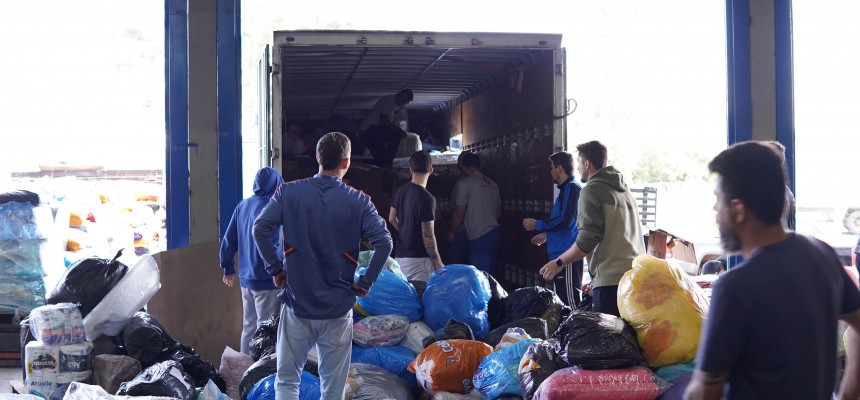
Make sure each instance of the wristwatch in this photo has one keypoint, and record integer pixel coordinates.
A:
(558, 262)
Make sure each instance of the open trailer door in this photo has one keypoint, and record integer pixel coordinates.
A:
(269, 149)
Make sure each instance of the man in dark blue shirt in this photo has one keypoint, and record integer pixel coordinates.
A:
(560, 230)
(323, 222)
(760, 337)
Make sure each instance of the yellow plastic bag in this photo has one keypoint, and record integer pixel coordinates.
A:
(665, 307)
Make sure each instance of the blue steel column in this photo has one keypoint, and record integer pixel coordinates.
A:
(739, 77)
(176, 121)
(229, 56)
(785, 83)
(738, 57)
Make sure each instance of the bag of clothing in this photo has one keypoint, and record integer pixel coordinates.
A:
(389, 295)
(449, 365)
(497, 374)
(394, 359)
(110, 371)
(665, 307)
(452, 330)
(537, 302)
(592, 340)
(380, 330)
(87, 281)
(265, 337)
(163, 379)
(637, 383)
(369, 382)
(145, 339)
(258, 371)
(537, 364)
(415, 336)
(496, 305)
(233, 366)
(460, 292)
(533, 326)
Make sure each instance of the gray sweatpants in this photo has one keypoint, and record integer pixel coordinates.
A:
(296, 336)
(257, 306)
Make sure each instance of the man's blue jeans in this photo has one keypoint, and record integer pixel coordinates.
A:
(296, 336)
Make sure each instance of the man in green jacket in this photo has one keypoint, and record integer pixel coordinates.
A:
(610, 235)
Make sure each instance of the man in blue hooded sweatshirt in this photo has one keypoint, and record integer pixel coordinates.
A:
(259, 294)
(323, 221)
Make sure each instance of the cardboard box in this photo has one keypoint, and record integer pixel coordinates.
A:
(662, 244)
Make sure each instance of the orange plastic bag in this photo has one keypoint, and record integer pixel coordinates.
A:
(449, 365)
(665, 307)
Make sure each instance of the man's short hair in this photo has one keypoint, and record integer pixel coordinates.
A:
(470, 160)
(753, 173)
(778, 148)
(594, 152)
(420, 162)
(332, 148)
(406, 94)
(564, 160)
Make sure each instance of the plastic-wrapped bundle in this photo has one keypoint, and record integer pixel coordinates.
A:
(265, 337)
(87, 281)
(380, 330)
(497, 374)
(460, 292)
(637, 383)
(163, 379)
(592, 340)
(537, 302)
(369, 382)
(539, 362)
(665, 307)
(390, 294)
(449, 365)
(130, 294)
(22, 287)
(57, 323)
(394, 359)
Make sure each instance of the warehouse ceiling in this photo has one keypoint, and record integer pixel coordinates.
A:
(325, 80)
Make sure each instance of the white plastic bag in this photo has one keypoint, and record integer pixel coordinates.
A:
(129, 295)
(233, 367)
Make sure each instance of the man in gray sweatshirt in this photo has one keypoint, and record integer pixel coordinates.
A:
(610, 235)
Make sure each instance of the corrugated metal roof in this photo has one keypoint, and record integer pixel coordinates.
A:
(323, 80)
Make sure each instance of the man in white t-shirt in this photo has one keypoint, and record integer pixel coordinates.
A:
(379, 132)
(478, 208)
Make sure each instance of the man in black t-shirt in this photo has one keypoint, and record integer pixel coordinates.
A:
(760, 340)
(413, 210)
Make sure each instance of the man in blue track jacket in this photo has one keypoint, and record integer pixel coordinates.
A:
(323, 222)
(259, 294)
(560, 230)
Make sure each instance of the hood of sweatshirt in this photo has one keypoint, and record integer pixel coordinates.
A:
(267, 181)
(610, 176)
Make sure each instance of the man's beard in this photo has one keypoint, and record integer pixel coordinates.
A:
(730, 242)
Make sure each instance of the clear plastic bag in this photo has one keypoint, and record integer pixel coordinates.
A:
(57, 324)
(369, 382)
(380, 330)
(129, 295)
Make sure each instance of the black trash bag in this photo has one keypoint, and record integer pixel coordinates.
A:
(452, 330)
(256, 372)
(591, 340)
(535, 302)
(586, 303)
(87, 281)
(538, 363)
(165, 379)
(535, 327)
(145, 340)
(199, 369)
(265, 338)
(19, 196)
(496, 305)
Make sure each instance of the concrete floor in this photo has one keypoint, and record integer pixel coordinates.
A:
(7, 375)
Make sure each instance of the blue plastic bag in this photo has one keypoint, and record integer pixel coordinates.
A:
(309, 389)
(393, 359)
(460, 292)
(390, 294)
(497, 374)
